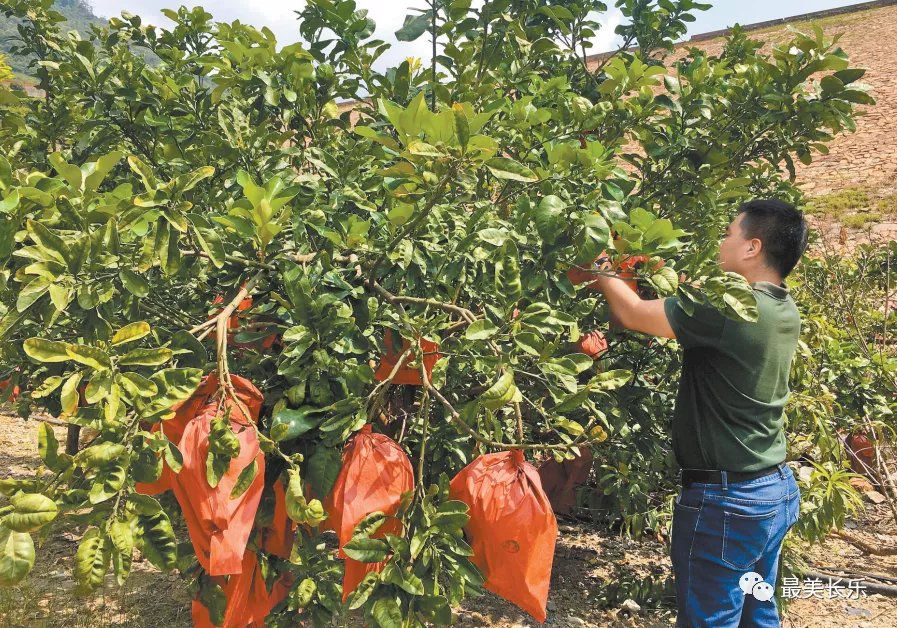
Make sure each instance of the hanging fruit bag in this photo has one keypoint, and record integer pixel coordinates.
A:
(512, 529)
(374, 475)
(219, 525)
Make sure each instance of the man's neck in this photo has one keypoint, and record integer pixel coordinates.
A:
(763, 274)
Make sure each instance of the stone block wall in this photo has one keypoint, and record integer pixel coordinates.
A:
(867, 157)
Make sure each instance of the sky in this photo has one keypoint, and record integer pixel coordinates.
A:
(278, 15)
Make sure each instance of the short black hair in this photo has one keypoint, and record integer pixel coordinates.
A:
(780, 227)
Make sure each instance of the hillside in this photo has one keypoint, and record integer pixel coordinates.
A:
(79, 16)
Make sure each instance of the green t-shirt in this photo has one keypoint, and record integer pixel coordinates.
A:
(734, 383)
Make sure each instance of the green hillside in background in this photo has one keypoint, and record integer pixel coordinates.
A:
(79, 16)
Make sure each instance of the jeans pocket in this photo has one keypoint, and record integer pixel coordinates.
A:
(688, 499)
(745, 537)
(793, 508)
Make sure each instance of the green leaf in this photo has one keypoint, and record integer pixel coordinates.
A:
(611, 380)
(295, 422)
(32, 512)
(136, 385)
(122, 536)
(92, 560)
(323, 468)
(131, 332)
(175, 385)
(414, 26)
(387, 613)
(440, 369)
(157, 540)
(48, 241)
(46, 350)
(665, 281)
(109, 480)
(369, 524)
(187, 182)
(89, 356)
(245, 479)
(504, 168)
(71, 173)
(363, 591)
(548, 217)
(500, 393)
(69, 394)
(146, 357)
(188, 350)
(144, 172)
(103, 166)
(48, 386)
(856, 96)
(99, 455)
(61, 295)
(462, 128)
(367, 550)
(134, 283)
(16, 556)
(211, 244)
(33, 291)
(481, 329)
(48, 448)
(507, 275)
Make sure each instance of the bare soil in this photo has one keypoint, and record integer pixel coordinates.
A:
(586, 562)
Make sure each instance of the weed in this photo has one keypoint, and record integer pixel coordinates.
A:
(858, 221)
(836, 204)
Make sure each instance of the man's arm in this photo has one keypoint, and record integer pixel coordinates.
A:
(632, 312)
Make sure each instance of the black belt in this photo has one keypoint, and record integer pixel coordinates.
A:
(713, 476)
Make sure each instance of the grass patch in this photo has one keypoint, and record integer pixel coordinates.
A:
(857, 221)
(888, 205)
(836, 204)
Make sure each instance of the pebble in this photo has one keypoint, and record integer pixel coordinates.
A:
(875, 497)
(631, 606)
(575, 621)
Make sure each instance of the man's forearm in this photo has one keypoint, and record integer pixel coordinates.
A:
(631, 311)
(620, 298)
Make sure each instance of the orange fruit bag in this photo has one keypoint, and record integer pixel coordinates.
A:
(173, 429)
(13, 394)
(561, 479)
(248, 602)
(406, 375)
(593, 344)
(512, 529)
(219, 526)
(374, 475)
(278, 538)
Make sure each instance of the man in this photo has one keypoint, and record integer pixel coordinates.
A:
(738, 497)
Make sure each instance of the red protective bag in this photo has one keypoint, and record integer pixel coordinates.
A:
(278, 538)
(512, 529)
(406, 375)
(173, 429)
(593, 344)
(561, 479)
(248, 602)
(219, 526)
(233, 322)
(374, 475)
(14, 394)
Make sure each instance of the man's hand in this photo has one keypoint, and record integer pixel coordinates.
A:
(631, 311)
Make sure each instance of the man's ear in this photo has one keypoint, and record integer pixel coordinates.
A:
(754, 248)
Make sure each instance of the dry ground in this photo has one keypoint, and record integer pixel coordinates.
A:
(586, 560)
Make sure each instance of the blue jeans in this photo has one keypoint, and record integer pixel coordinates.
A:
(726, 541)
